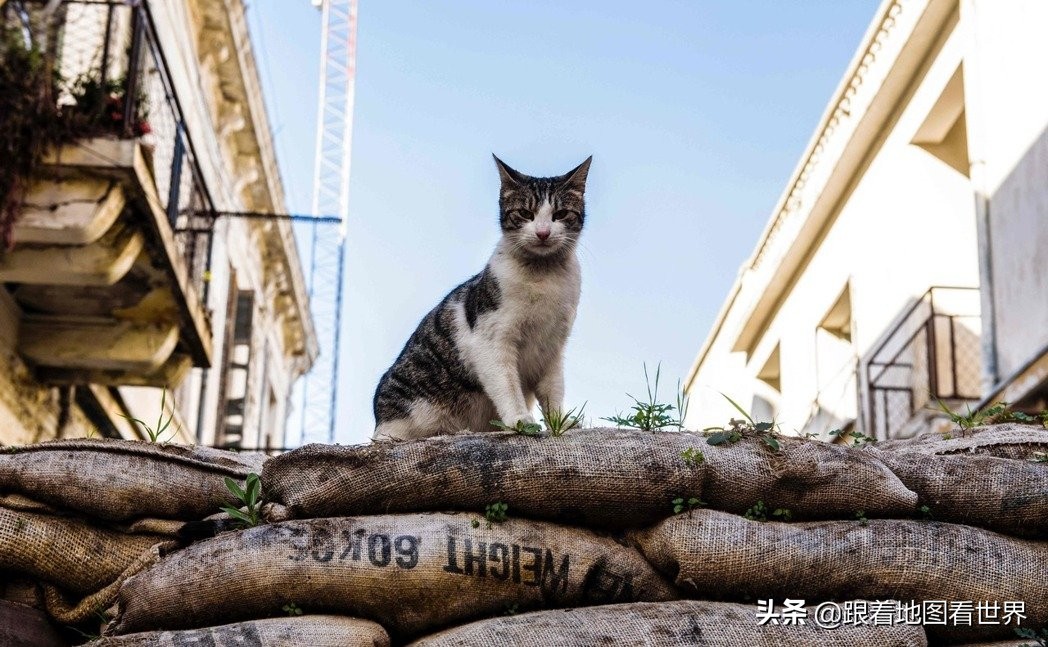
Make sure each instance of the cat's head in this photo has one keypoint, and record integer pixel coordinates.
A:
(542, 217)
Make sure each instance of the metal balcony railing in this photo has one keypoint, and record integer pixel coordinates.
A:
(114, 79)
(933, 354)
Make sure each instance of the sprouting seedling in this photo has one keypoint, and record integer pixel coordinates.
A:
(926, 512)
(683, 400)
(292, 609)
(680, 504)
(496, 512)
(250, 497)
(860, 516)
(757, 512)
(650, 414)
(783, 514)
(558, 422)
(859, 439)
(161, 425)
(522, 428)
(736, 428)
(693, 456)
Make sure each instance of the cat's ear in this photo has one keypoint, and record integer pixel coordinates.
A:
(576, 177)
(508, 176)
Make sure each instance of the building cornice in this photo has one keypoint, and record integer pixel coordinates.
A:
(243, 128)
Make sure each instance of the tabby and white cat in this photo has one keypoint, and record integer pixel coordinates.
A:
(495, 344)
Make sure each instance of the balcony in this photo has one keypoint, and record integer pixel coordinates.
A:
(109, 265)
(931, 355)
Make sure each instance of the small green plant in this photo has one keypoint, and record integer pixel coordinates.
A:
(730, 435)
(994, 414)
(1040, 457)
(926, 512)
(693, 456)
(859, 439)
(558, 422)
(292, 609)
(1040, 636)
(250, 497)
(682, 406)
(162, 426)
(736, 429)
(522, 428)
(496, 512)
(757, 512)
(511, 610)
(860, 516)
(475, 523)
(783, 514)
(651, 415)
(680, 504)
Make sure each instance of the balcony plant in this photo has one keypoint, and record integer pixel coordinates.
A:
(33, 121)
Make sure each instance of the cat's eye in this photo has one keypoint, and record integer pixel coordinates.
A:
(523, 214)
(563, 213)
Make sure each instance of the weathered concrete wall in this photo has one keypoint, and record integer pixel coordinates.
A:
(1011, 61)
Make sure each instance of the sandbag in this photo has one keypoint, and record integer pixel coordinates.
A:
(120, 480)
(1007, 440)
(71, 553)
(411, 573)
(686, 622)
(610, 478)
(716, 555)
(300, 631)
(1005, 495)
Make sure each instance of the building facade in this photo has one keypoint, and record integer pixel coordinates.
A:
(133, 288)
(906, 263)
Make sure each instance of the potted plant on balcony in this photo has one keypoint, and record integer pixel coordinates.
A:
(33, 121)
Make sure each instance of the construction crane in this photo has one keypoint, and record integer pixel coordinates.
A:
(319, 388)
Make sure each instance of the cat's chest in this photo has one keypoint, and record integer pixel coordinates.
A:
(540, 305)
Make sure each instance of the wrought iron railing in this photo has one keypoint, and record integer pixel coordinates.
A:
(933, 354)
(113, 76)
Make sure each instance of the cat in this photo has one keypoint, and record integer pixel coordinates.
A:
(495, 344)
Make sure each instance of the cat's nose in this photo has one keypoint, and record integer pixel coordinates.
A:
(542, 233)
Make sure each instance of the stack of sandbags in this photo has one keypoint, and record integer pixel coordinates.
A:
(607, 530)
(78, 517)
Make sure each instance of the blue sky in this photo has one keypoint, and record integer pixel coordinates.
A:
(695, 114)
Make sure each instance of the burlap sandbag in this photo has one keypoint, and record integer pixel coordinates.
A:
(716, 555)
(595, 477)
(657, 624)
(411, 573)
(121, 480)
(1008, 440)
(301, 631)
(71, 553)
(1005, 495)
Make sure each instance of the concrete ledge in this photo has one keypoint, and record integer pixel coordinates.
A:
(96, 344)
